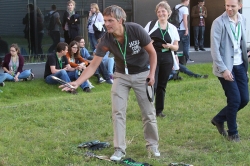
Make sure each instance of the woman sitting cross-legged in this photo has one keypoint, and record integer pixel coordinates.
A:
(13, 66)
(78, 63)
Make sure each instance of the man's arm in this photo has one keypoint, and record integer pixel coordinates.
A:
(185, 22)
(153, 61)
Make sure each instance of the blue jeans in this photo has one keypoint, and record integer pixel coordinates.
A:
(73, 75)
(22, 75)
(185, 70)
(109, 64)
(199, 36)
(2, 77)
(237, 98)
(62, 74)
(185, 43)
(92, 40)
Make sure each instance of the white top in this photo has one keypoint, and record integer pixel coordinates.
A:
(237, 50)
(173, 33)
(99, 18)
(183, 10)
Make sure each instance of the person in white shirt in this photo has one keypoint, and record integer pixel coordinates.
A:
(183, 30)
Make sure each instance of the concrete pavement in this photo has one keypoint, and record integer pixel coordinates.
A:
(197, 56)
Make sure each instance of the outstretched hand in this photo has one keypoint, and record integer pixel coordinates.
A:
(66, 88)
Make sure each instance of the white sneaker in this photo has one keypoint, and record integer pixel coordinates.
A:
(101, 80)
(153, 150)
(117, 156)
(90, 84)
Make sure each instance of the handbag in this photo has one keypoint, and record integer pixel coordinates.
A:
(98, 33)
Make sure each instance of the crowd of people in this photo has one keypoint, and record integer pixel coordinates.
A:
(140, 54)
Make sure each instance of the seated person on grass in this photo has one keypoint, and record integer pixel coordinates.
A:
(109, 63)
(2, 78)
(13, 66)
(78, 63)
(57, 65)
(101, 69)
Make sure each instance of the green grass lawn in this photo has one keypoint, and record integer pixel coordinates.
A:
(40, 125)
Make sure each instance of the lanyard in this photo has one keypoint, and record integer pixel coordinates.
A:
(125, 47)
(60, 61)
(163, 34)
(13, 65)
(234, 33)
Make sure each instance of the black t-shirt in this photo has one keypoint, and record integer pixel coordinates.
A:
(137, 58)
(53, 61)
(167, 38)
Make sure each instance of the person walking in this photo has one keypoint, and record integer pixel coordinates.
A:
(230, 65)
(199, 13)
(134, 52)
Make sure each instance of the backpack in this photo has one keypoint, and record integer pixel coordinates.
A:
(49, 21)
(174, 18)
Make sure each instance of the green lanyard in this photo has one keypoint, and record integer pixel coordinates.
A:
(13, 65)
(125, 47)
(163, 34)
(60, 61)
(235, 37)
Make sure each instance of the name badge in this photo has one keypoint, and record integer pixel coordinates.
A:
(126, 70)
(164, 50)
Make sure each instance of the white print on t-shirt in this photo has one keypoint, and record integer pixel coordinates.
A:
(134, 45)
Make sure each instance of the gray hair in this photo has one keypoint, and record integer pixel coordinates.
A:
(116, 12)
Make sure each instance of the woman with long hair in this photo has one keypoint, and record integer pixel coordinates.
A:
(70, 22)
(95, 16)
(166, 37)
(78, 63)
(13, 66)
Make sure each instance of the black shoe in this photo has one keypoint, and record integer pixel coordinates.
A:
(202, 49)
(196, 49)
(234, 138)
(87, 89)
(2, 84)
(160, 115)
(220, 127)
(204, 76)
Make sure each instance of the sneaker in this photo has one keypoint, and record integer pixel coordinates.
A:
(31, 77)
(196, 49)
(2, 84)
(190, 61)
(90, 84)
(117, 156)
(87, 89)
(101, 80)
(110, 81)
(234, 138)
(153, 151)
(204, 76)
(202, 49)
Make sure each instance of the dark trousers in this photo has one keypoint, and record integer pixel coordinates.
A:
(199, 36)
(163, 69)
(55, 36)
(185, 70)
(66, 37)
(237, 98)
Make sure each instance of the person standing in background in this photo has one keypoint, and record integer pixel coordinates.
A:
(230, 65)
(94, 16)
(70, 22)
(165, 52)
(183, 30)
(199, 13)
(54, 33)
